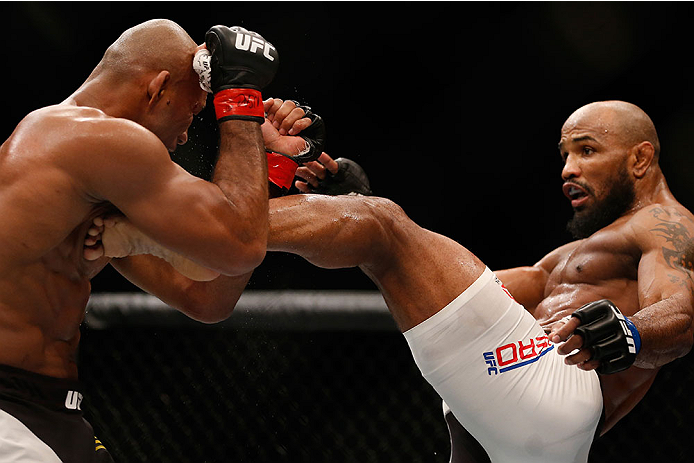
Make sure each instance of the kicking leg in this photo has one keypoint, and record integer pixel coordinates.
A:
(418, 272)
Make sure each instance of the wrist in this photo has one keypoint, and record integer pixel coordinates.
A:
(634, 334)
(239, 103)
(281, 169)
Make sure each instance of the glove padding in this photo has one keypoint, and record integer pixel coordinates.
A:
(242, 63)
(240, 58)
(350, 179)
(313, 135)
(282, 167)
(612, 338)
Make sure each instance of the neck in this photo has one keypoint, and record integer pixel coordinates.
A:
(114, 99)
(652, 189)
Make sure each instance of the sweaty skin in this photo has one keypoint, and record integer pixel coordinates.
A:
(106, 148)
(627, 262)
(642, 261)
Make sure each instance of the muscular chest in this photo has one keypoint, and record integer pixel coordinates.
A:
(604, 266)
(594, 261)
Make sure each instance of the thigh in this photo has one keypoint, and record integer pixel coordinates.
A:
(492, 363)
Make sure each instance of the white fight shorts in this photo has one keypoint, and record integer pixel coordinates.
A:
(492, 363)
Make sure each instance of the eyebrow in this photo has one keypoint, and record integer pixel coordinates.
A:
(578, 140)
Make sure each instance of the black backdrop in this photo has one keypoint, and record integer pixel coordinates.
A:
(454, 109)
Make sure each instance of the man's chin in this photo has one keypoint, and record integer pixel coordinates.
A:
(587, 221)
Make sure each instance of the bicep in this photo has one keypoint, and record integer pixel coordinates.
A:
(666, 300)
(137, 176)
(665, 267)
(659, 279)
(665, 284)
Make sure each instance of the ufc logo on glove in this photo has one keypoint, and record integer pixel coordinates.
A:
(247, 42)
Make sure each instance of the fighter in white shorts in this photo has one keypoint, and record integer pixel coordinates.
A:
(522, 376)
(495, 368)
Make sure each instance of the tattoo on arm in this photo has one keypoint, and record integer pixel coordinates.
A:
(679, 249)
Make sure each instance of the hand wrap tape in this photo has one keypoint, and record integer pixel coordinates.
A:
(201, 64)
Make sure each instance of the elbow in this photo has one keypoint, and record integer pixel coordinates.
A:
(243, 258)
(252, 258)
(686, 338)
(239, 239)
(208, 317)
(239, 249)
(201, 307)
(687, 342)
(205, 315)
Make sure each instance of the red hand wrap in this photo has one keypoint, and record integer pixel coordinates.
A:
(239, 103)
(280, 169)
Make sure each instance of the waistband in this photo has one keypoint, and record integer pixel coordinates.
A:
(54, 393)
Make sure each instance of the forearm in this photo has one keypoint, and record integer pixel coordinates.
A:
(526, 284)
(665, 328)
(120, 238)
(207, 302)
(241, 174)
(236, 79)
(187, 267)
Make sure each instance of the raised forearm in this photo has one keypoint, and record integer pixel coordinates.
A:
(241, 174)
(236, 79)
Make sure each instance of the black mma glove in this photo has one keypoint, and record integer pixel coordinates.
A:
(350, 178)
(612, 338)
(242, 64)
(282, 167)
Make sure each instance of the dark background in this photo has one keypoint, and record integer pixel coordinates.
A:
(454, 109)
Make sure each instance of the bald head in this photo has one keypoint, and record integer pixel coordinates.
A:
(623, 122)
(155, 45)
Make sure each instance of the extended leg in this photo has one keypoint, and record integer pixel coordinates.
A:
(418, 271)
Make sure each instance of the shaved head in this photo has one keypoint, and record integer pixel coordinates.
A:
(611, 150)
(624, 122)
(155, 45)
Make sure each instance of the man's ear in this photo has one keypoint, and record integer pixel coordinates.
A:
(643, 155)
(157, 86)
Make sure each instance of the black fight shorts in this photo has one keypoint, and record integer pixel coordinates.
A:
(41, 420)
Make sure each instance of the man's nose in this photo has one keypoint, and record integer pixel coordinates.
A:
(571, 168)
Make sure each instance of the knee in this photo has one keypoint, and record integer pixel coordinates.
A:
(386, 214)
(365, 229)
(385, 221)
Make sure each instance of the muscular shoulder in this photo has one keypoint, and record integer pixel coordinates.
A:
(86, 143)
(65, 128)
(661, 221)
(69, 133)
(667, 228)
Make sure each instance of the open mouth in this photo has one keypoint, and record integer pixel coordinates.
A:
(576, 194)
